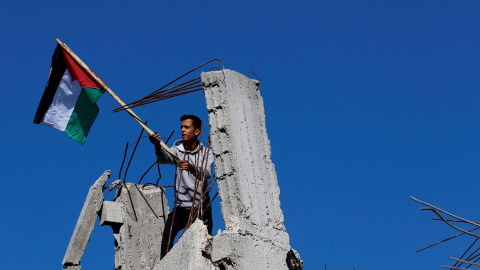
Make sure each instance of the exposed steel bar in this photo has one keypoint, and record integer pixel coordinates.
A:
(444, 240)
(454, 220)
(133, 153)
(255, 74)
(471, 257)
(203, 176)
(463, 261)
(455, 268)
(199, 178)
(178, 88)
(210, 202)
(173, 131)
(131, 202)
(461, 257)
(451, 225)
(162, 98)
(445, 212)
(158, 90)
(123, 161)
(179, 85)
(149, 168)
(156, 96)
(152, 94)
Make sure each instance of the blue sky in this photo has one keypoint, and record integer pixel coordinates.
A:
(367, 103)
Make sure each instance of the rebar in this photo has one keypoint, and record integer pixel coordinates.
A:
(455, 268)
(445, 212)
(451, 225)
(466, 251)
(133, 153)
(463, 261)
(444, 240)
(123, 161)
(473, 257)
(149, 168)
(161, 93)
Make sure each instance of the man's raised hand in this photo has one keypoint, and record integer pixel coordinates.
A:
(155, 140)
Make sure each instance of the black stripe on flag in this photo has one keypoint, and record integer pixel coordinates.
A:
(58, 69)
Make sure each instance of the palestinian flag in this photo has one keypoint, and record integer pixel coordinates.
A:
(68, 103)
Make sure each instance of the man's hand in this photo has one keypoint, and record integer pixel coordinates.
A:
(184, 165)
(155, 140)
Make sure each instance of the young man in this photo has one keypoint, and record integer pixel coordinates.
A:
(196, 163)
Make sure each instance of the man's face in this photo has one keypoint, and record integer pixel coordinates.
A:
(189, 132)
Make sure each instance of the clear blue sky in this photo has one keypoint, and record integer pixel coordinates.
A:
(367, 103)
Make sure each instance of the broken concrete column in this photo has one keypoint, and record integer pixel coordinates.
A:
(85, 223)
(73, 267)
(246, 176)
(189, 251)
(138, 238)
(113, 214)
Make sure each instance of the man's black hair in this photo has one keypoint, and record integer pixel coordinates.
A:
(197, 123)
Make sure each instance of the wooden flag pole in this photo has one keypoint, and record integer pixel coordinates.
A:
(104, 85)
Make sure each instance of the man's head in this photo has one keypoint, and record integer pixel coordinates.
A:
(191, 127)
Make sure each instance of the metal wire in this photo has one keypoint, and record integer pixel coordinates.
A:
(473, 257)
(123, 161)
(162, 93)
(133, 153)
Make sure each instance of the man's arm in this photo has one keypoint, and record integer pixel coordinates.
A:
(184, 165)
(163, 156)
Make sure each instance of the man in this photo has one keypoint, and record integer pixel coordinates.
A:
(196, 164)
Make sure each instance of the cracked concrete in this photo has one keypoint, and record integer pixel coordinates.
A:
(85, 223)
(255, 235)
(138, 238)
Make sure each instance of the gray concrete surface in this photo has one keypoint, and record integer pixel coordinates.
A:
(85, 222)
(73, 267)
(189, 252)
(138, 239)
(113, 213)
(255, 236)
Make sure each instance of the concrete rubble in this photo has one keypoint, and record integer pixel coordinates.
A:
(189, 251)
(255, 235)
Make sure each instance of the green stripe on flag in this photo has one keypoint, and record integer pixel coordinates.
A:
(84, 114)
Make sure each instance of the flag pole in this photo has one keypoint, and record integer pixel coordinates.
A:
(104, 85)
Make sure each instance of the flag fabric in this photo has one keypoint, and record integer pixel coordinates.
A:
(69, 100)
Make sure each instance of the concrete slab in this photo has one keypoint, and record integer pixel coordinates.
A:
(86, 222)
(188, 252)
(72, 267)
(112, 213)
(138, 240)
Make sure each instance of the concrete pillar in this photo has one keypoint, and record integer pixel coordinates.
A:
(138, 238)
(85, 223)
(246, 176)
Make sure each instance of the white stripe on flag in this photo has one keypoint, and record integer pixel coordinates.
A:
(63, 103)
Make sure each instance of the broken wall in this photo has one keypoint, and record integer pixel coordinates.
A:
(255, 236)
(138, 238)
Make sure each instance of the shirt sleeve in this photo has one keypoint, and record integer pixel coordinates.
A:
(163, 157)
